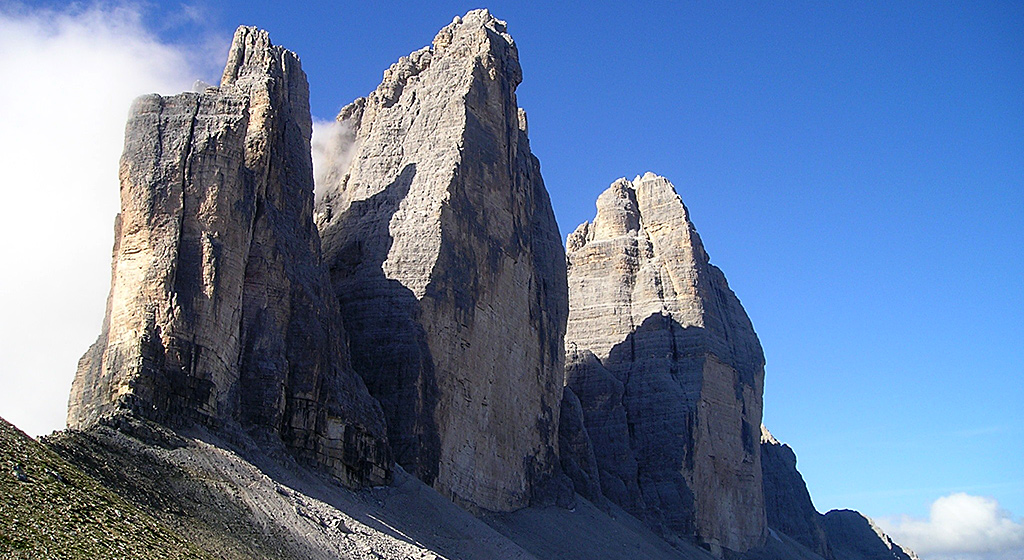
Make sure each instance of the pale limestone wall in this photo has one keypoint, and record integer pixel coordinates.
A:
(449, 268)
(220, 311)
(668, 370)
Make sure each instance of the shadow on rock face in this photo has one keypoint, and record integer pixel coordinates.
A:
(641, 412)
(388, 344)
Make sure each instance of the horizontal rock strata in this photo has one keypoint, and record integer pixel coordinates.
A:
(667, 368)
(220, 311)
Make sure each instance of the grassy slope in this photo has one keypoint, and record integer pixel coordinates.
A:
(60, 512)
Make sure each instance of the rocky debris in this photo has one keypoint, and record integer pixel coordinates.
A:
(779, 546)
(787, 502)
(248, 502)
(55, 475)
(447, 261)
(854, 536)
(220, 311)
(587, 532)
(667, 368)
(249, 499)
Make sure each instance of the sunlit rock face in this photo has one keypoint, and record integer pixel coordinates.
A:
(220, 311)
(667, 368)
(447, 261)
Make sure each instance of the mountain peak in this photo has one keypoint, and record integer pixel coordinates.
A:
(443, 249)
(667, 369)
(220, 312)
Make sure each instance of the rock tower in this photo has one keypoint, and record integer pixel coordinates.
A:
(667, 369)
(445, 256)
(220, 311)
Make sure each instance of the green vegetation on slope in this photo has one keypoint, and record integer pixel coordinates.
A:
(50, 509)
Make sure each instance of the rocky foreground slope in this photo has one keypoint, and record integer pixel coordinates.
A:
(49, 508)
(249, 499)
(130, 488)
(405, 392)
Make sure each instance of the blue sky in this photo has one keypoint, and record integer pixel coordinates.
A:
(856, 170)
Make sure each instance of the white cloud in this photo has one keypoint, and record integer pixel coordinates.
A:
(334, 144)
(961, 527)
(69, 78)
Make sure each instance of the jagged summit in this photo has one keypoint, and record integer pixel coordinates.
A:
(446, 258)
(667, 368)
(219, 311)
(475, 35)
(474, 50)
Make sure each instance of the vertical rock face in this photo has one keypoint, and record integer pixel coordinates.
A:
(447, 261)
(575, 449)
(667, 368)
(220, 311)
(787, 502)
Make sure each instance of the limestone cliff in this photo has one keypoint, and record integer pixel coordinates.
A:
(220, 311)
(667, 368)
(576, 450)
(444, 276)
(447, 261)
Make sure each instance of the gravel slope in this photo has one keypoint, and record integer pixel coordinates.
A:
(248, 498)
(141, 491)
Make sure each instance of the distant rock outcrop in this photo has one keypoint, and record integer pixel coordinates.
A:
(787, 502)
(667, 368)
(854, 536)
(220, 311)
(838, 535)
(446, 258)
